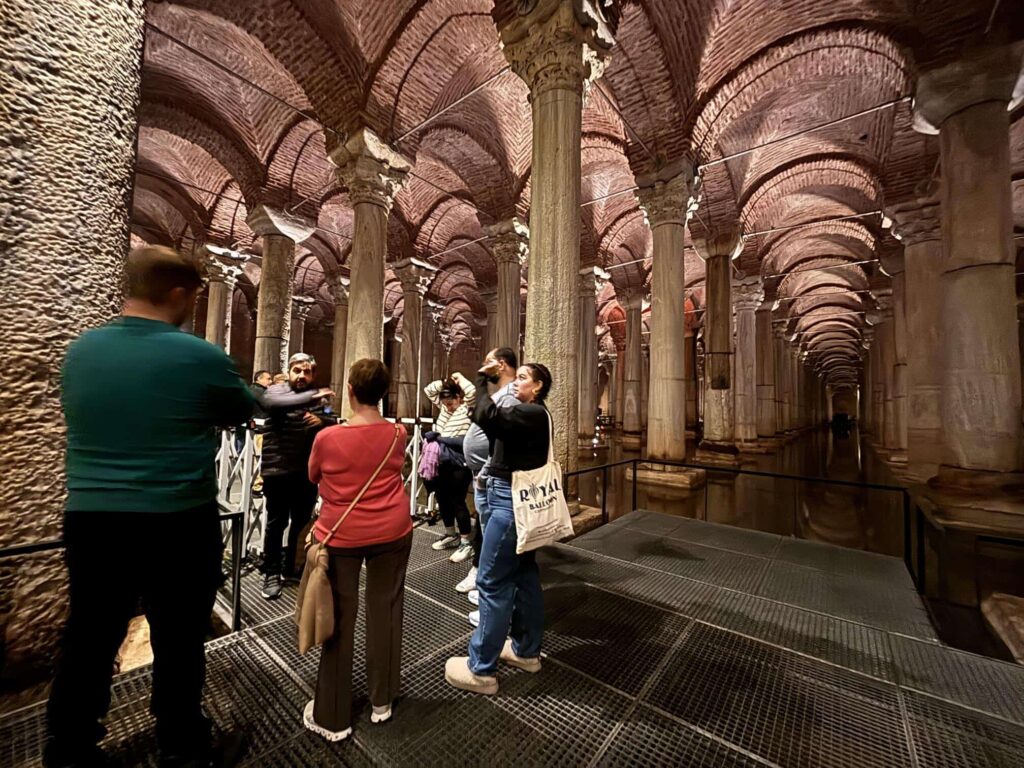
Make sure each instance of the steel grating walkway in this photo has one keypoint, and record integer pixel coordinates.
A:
(669, 642)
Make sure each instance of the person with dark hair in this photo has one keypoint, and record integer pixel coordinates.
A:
(454, 396)
(477, 450)
(508, 583)
(377, 530)
(261, 382)
(296, 412)
(142, 400)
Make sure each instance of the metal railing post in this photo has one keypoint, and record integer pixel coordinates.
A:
(906, 533)
(604, 494)
(237, 524)
(921, 570)
(634, 464)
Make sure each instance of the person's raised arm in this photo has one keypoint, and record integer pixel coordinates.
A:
(231, 402)
(497, 420)
(468, 390)
(276, 398)
(433, 392)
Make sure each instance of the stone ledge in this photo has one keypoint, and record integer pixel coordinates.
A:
(586, 520)
(631, 441)
(1004, 615)
(667, 476)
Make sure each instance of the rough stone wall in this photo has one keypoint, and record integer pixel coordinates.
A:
(69, 74)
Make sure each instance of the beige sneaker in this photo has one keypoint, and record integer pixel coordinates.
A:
(509, 657)
(459, 675)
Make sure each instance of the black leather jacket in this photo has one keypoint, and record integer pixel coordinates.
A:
(287, 440)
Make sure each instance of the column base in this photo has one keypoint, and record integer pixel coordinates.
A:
(722, 454)
(585, 520)
(667, 476)
(755, 446)
(977, 481)
(631, 440)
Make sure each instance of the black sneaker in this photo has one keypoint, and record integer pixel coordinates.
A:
(272, 586)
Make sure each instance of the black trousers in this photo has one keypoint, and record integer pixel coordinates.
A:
(385, 602)
(451, 486)
(290, 498)
(172, 562)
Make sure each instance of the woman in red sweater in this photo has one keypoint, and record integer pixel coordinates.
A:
(377, 530)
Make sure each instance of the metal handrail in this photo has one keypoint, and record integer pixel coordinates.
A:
(915, 566)
(228, 515)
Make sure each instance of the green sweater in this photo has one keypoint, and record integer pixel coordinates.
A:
(142, 400)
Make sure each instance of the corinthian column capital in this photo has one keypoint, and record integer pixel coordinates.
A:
(725, 241)
(748, 293)
(669, 197)
(264, 220)
(510, 241)
(414, 275)
(302, 306)
(373, 172)
(338, 287)
(557, 44)
(223, 268)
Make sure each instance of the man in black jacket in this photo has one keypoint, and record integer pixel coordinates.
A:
(296, 412)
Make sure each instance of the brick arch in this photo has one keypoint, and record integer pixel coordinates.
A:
(760, 204)
(228, 152)
(298, 171)
(874, 60)
(851, 239)
(285, 37)
(475, 162)
(150, 192)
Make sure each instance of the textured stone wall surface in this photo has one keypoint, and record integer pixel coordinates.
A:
(69, 75)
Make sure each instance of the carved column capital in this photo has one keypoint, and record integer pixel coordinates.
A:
(223, 269)
(748, 293)
(338, 288)
(510, 241)
(372, 171)
(415, 276)
(918, 220)
(557, 44)
(724, 241)
(988, 73)
(669, 197)
(592, 281)
(302, 306)
(264, 220)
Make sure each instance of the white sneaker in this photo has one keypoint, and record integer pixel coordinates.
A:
(468, 583)
(474, 596)
(446, 542)
(380, 714)
(463, 553)
(319, 730)
(474, 618)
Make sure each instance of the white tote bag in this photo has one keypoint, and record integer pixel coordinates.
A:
(542, 516)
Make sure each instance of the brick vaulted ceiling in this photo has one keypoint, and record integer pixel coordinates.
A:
(242, 101)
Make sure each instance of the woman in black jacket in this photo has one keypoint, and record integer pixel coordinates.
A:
(508, 583)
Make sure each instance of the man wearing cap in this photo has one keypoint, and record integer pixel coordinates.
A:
(296, 412)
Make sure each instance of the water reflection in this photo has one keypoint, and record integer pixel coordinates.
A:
(842, 515)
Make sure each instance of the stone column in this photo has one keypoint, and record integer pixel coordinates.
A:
(781, 377)
(632, 303)
(981, 395)
(692, 390)
(431, 343)
(301, 307)
(510, 244)
(620, 386)
(416, 277)
(490, 299)
(893, 264)
(749, 293)
(280, 232)
(668, 201)
(613, 388)
(795, 395)
(66, 202)
(718, 250)
(222, 280)
(767, 411)
(867, 395)
(338, 286)
(590, 280)
(557, 47)
(878, 379)
(645, 379)
(373, 173)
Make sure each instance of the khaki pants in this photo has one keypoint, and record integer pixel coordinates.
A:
(385, 601)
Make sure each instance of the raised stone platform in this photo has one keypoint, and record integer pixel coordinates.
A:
(669, 642)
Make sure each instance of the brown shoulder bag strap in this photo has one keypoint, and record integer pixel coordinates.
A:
(394, 442)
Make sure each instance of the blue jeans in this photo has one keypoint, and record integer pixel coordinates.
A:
(511, 600)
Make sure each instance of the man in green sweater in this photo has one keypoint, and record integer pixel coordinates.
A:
(142, 401)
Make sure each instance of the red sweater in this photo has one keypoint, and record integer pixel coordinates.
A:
(342, 460)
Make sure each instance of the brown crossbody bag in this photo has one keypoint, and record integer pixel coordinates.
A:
(314, 604)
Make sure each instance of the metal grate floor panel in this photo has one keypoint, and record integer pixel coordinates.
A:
(642, 667)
